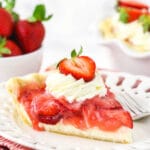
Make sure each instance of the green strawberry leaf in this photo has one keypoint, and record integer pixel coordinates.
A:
(2, 42)
(10, 4)
(123, 15)
(4, 50)
(0, 4)
(145, 21)
(32, 19)
(73, 53)
(15, 16)
(39, 14)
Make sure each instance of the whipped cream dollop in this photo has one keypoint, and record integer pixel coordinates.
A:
(133, 32)
(59, 85)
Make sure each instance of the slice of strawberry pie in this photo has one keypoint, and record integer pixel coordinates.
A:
(71, 99)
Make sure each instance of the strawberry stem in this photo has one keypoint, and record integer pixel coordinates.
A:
(75, 54)
(39, 14)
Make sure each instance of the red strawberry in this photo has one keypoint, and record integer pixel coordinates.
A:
(9, 48)
(47, 109)
(45, 105)
(134, 14)
(7, 18)
(128, 14)
(78, 66)
(30, 33)
(6, 23)
(132, 4)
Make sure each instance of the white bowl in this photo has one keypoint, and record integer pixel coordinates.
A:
(125, 49)
(124, 58)
(108, 10)
(128, 62)
(20, 65)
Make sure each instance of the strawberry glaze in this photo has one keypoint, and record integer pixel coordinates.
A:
(102, 112)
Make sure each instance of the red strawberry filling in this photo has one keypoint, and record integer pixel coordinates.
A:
(102, 112)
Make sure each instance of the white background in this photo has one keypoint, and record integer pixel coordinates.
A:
(75, 23)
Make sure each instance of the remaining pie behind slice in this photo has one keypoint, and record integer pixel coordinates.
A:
(71, 99)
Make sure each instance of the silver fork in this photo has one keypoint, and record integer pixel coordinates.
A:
(137, 106)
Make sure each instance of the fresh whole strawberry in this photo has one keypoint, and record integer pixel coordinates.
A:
(9, 48)
(7, 18)
(30, 33)
(78, 66)
(6, 23)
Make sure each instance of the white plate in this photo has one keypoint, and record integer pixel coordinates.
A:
(22, 134)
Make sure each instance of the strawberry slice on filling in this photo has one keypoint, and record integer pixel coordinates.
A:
(78, 66)
(108, 119)
(47, 109)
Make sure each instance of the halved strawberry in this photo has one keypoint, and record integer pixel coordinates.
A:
(78, 66)
(47, 108)
(133, 4)
(46, 104)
